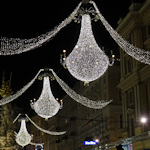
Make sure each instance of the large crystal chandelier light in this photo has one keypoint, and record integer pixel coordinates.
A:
(46, 106)
(87, 62)
(23, 138)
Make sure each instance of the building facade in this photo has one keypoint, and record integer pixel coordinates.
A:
(135, 76)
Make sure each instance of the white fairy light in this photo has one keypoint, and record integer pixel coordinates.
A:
(10, 98)
(12, 46)
(99, 104)
(46, 106)
(137, 53)
(87, 62)
(23, 138)
(46, 131)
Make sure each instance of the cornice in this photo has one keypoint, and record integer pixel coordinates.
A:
(128, 23)
(133, 18)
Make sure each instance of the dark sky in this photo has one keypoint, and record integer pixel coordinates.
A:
(27, 20)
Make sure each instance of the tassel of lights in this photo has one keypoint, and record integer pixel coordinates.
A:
(10, 98)
(11, 46)
(23, 138)
(78, 98)
(87, 62)
(46, 131)
(46, 106)
(137, 53)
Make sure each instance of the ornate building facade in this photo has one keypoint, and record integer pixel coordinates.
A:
(135, 76)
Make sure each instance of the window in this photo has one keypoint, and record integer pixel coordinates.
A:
(121, 121)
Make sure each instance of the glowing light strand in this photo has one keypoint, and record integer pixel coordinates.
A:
(10, 98)
(46, 106)
(45, 131)
(137, 53)
(12, 46)
(87, 62)
(78, 98)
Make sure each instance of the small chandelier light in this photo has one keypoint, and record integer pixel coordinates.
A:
(87, 62)
(23, 138)
(46, 106)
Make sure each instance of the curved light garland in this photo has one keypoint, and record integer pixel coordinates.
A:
(45, 131)
(23, 138)
(137, 53)
(46, 106)
(12, 46)
(78, 98)
(10, 98)
(87, 62)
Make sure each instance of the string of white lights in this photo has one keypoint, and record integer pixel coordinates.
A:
(45, 131)
(137, 53)
(23, 138)
(10, 98)
(46, 106)
(87, 62)
(78, 98)
(11, 46)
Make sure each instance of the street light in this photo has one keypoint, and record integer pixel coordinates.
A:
(143, 120)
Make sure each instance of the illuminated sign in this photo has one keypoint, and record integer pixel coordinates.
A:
(90, 143)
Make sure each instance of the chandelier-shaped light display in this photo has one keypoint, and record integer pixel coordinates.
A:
(46, 106)
(87, 62)
(23, 138)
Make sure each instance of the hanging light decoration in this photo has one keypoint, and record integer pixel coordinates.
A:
(87, 62)
(46, 106)
(23, 138)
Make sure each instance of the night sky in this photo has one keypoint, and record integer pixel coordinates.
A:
(27, 20)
